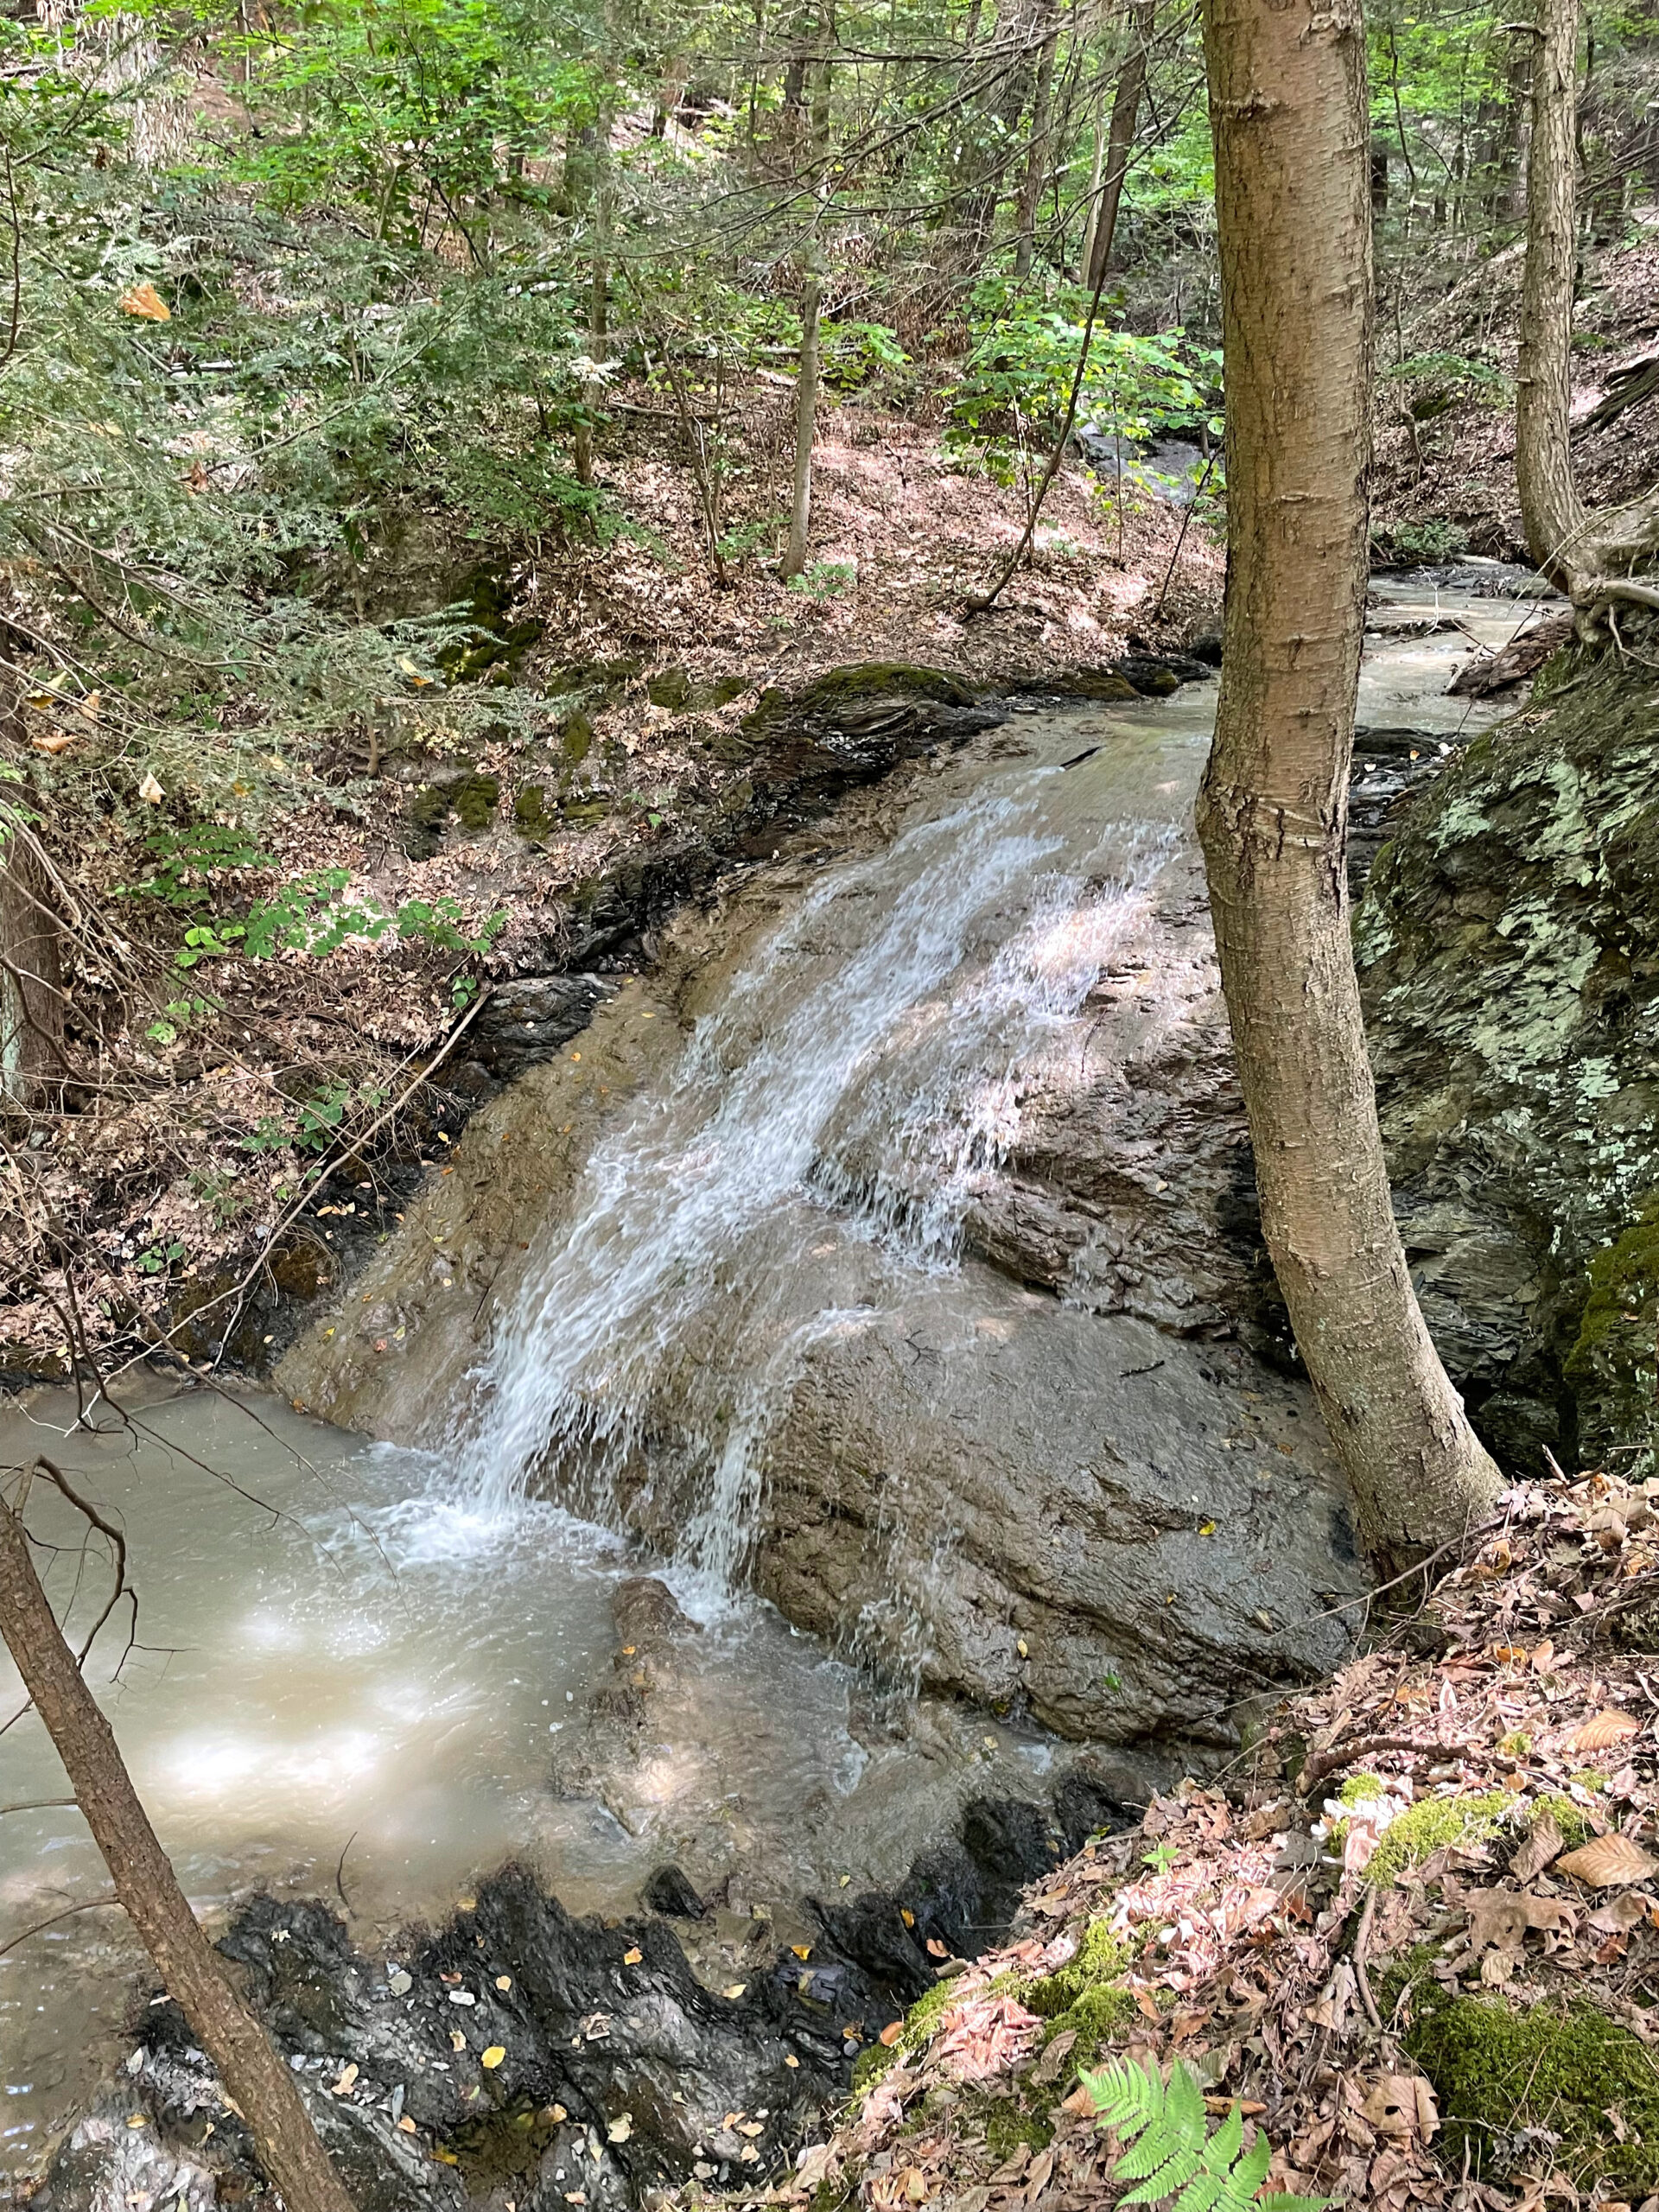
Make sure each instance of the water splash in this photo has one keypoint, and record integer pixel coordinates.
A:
(870, 1060)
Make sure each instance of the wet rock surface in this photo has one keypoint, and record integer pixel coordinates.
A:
(523, 2056)
(1509, 961)
(1126, 1534)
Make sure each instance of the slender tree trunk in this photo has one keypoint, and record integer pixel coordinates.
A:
(806, 424)
(32, 1062)
(1120, 141)
(1551, 513)
(1031, 187)
(1097, 171)
(253, 2074)
(1287, 101)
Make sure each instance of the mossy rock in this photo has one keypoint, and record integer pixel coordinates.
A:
(672, 688)
(575, 739)
(841, 688)
(583, 813)
(1499, 2069)
(1011, 2121)
(1427, 1826)
(1612, 1364)
(530, 815)
(471, 799)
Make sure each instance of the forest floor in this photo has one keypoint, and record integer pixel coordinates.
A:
(1413, 1935)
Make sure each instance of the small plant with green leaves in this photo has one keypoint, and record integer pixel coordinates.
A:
(1169, 2152)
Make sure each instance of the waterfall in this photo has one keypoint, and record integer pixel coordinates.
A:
(863, 1073)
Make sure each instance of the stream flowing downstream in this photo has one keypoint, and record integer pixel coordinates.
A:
(354, 1664)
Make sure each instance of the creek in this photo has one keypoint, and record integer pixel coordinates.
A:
(742, 1254)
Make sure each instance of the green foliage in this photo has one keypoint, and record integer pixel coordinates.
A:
(1012, 395)
(1169, 2151)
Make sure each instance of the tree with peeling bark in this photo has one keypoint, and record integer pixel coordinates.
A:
(1289, 108)
(1592, 557)
(255, 2077)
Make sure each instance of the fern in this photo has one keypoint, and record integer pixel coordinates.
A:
(1168, 2151)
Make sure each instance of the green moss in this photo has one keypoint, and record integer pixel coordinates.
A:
(1497, 2070)
(871, 2064)
(1088, 1996)
(1009, 2122)
(575, 739)
(1516, 1745)
(1423, 1828)
(1611, 1366)
(1360, 1788)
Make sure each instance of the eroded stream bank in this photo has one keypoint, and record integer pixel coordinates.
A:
(887, 1249)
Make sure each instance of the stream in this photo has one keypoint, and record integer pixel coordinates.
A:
(360, 1669)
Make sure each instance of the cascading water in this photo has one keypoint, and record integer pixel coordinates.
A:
(867, 1063)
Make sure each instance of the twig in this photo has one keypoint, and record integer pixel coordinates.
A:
(1187, 513)
(1361, 1937)
(38, 1805)
(87, 1904)
(339, 1871)
(1321, 1764)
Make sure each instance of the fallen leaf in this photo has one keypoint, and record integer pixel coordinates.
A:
(936, 1950)
(801, 1950)
(52, 740)
(146, 302)
(1543, 1843)
(493, 2057)
(457, 2041)
(736, 1989)
(1608, 1862)
(789, 2059)
(1606, 1729)
(1620, 1915)
(753, 2128)
(348, 2076)
(1402, 2104)
(891, 2033)
(504, 1981)
(407, 2124)
(620, 2128)
(150, 790)
(633, 1957)
(813, 2165)
(906, 1916)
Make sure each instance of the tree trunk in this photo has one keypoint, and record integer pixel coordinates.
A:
(806, 423)
(252, 2073)
(1288, 101)
(1120, 140)
(1551, 510)
(1031, 187)
(32, 1062)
